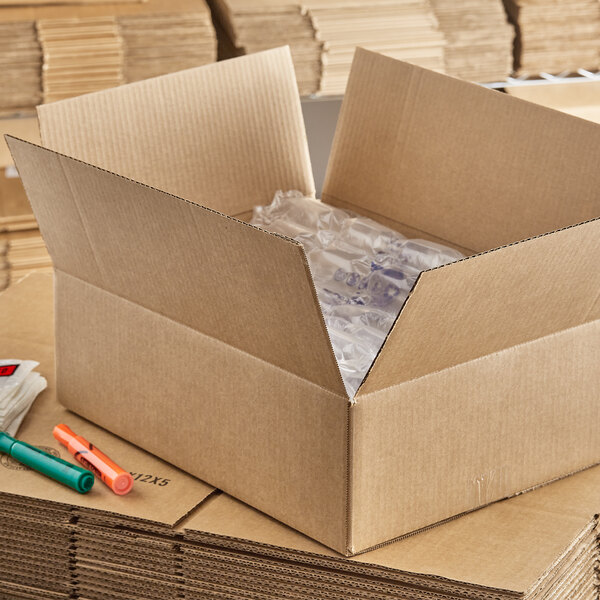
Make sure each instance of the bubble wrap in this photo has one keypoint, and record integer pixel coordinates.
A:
(363, 273)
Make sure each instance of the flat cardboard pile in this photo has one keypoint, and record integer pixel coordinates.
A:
(22, 249)
(479, 40)
(81, 55)
(54, 52)
(323, 34)
(507, 550)
(175, 537)
(37, 541)
(4, 267)
(555, 35)
(21, 67)
(26, 253)
(403, 29)
(254, 26)
(160, 43)
(114, 552)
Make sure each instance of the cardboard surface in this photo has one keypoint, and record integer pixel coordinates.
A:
(509, 545)
(470, 166)
(219, 143)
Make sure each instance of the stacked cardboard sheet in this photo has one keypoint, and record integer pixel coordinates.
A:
(255, 26)
(81, 55)
(403, 29)
(22, 249)
(37, 540)
(479, 40)
(507, 550)
(21, 67)
(4, 268)
(555, 35)
(54, 52)
(161, 43)
(26, 253)
(173, 536)
(323, 34)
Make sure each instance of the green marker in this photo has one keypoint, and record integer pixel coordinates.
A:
(56, 468)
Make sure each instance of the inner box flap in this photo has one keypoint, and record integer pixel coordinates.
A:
(456, 162)
(492, 301)
(228, 280)
(225, 135)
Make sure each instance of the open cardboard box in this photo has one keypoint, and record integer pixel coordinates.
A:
(200, 338)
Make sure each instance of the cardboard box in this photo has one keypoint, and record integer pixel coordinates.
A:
(200, 338)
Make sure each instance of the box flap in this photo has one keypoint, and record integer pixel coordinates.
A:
(229, 280)
(458, 162)
(492, 301)
(226, 135)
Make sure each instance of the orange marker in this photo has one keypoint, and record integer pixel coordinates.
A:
(118, 480)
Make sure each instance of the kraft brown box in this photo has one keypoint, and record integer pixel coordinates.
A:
(205, 337)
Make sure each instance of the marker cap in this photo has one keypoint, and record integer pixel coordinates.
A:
(6, 442)
(122, 484)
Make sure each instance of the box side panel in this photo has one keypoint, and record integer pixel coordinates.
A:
(449, 442)
(227, 135)
(227, 279)
(464, 164)
(267, 437)
(492, 301)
